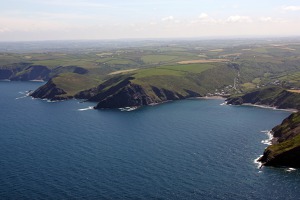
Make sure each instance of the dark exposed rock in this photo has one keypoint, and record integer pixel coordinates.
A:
(271, 96)
(121, 91)
(27, 71)
(5, 73)
(285, 148)
(50, 91)
(128, 96)
(285, 159)
(33, 72)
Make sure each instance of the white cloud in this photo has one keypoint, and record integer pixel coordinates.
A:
(204, 19)
(266, 19)
(291, 8)
(238, 18)
(203, 16)
(169, 18)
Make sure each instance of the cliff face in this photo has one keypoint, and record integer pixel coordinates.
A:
(27, 72)
(34, 72)
(272, 96)
(285, 150)
(116, 92)
(5, 74)
(127, 96)
(122, 92)
(49, 91)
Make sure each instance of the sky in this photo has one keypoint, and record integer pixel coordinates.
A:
(33, 20)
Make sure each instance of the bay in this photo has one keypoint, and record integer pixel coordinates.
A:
(191, 149)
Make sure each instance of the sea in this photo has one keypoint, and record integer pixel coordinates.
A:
(189, 149)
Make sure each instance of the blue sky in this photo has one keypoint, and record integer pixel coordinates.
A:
(115, 19)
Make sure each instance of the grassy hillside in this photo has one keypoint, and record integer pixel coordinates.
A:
(269, 61)
(208, 67)
(71, 83)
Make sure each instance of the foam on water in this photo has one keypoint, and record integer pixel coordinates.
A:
(88, 108)
(290, 169)
(21, 97)
(128, 109)
(270, 138)
(259, 164)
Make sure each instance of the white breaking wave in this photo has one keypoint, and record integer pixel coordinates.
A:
(49, 101)
(53, 101)
(88, 108)
(26, 94)
(265, 131)
(21, 97)
(290, 169)
(270, 138)
(128, 109)
(259, 164)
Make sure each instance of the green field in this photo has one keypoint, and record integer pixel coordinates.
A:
(72, 83)
(258, 63)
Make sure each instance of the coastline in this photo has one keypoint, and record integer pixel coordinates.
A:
(266, 107)
(271, 107)
(211, 97)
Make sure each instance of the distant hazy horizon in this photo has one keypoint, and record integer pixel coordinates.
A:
(40, 20)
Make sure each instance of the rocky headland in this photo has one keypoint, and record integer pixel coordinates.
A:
(285, 148)
(276, 97)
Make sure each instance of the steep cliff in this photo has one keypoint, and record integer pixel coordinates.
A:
(33, 72)
(271, 96)
(122, 91)
(136, 95)
(50, 91)
(28, 72)
(24, 72)
(285, 148)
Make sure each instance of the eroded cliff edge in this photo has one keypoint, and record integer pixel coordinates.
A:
(271, 96)
(285, 148)
(50, 91)
(121, 92)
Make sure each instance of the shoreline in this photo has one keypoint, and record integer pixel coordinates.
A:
(271, 107)
(292, 110)
(211, 97)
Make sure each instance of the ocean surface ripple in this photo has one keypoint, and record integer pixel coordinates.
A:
(192, 149)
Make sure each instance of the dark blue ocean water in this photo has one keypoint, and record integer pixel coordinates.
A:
(192, 149)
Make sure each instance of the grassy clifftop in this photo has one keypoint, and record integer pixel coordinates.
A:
(65, 86)
(156, 85)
